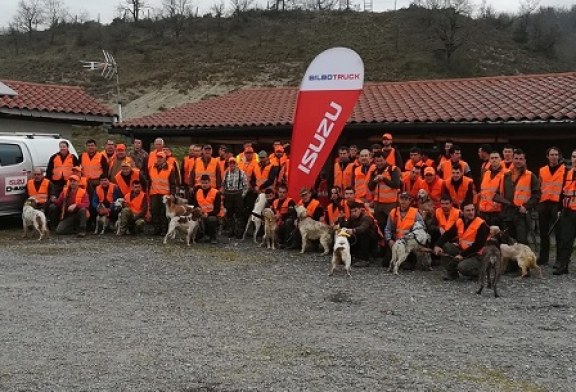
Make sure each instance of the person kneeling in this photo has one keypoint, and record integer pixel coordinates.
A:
(364, 232)
(209, 200)
(73, 203)
(133, 216)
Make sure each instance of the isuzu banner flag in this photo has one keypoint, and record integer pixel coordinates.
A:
(330, 89)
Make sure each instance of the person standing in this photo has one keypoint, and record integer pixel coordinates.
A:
(391, 155)
(490, 183)
(459, 188)
(361, 176)
(551, 179)
(384, 184)
(60, 166)
(138, 155)
(567, 221)
(94, 164)
(121, 157)
(234, 189)
(343, 169)
(445, 168)
(109, 152)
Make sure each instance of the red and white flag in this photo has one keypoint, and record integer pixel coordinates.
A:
(328, 93)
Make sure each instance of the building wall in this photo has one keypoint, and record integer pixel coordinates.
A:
(33, 126)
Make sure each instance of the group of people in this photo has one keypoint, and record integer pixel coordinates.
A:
(372, 192)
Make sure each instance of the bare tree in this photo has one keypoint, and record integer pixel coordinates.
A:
(218, 9)
(486, 10)
(240, 6)
(449, 25)
(528, 6)
(29, 15)
(134, 8)
(56, 14)
(177, 12)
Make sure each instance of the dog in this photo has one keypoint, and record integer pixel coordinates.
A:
(176, 206)
(341, 252)
(34, 219)
(256, 216)
(491, 261)
(270, 229)
(513, 250)
(102, 219)
(425, 206)
(313, 230)
(120, 204)
(187, 224)
(415, 239)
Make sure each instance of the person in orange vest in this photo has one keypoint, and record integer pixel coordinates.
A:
(267, 173)
(158, 148)
(73, 203)
(484, 152)
(519, 193)
(234, 190)
(60, 166)
(384, 185)
(343, 168)
(471, 232)
(205, 165)
(445, 156)
(400, 221)
(242, 156)
(391, 154)
(210, 201)
(283, 207)
(121, 157)
(365, 233)
(444, 217)
(270, 197)
(173, 164)
(249, 165)
(567, 221)
(127, 176)
(335, 214)
(138, 155)
(459, 188)
(42, 190)
(109, 151)
(508, 156)
(222, 158)
(94, 164)
(83, 183)
(415, 159)
(413, 182)
(374, 148)
(426, 159)
(163, 182)
(490, 183)
(277, 157)
(433, 185)
(133, 215)
(186, 169)
(104, 197)
(445, 168)
(551, 179)
(313, 209)
(361, 176)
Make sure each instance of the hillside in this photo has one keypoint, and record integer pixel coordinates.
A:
(212, 56)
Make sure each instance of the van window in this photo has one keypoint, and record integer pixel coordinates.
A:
(10, 154)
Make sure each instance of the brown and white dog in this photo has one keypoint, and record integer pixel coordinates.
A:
(102, 219)
(176, 206)
(313, 230)
(256, 216)
(341, 253)
(187, 224)
(513, 250)
(34, 219)
(270, 228)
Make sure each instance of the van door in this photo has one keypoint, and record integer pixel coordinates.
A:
(15, 168)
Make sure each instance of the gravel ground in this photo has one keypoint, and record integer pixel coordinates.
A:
(131, 314)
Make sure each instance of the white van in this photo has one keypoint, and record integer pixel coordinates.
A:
(19, 154)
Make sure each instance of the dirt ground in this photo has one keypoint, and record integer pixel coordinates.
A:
(107, 313)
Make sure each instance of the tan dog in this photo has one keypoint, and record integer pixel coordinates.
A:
(341, 253)
(313, 230)
(513, 250)
(270, 228)
(187, 224)
(33, 218)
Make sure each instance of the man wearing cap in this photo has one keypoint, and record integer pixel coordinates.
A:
(361, 176)
(384, 184)
(343, 168)
(391, 155)
(459, 188)
(206, 165)
(210, 201)
(490, 183)
(242, 156)
(138, 155)
(267, 172)
(163, 182)
(127, 176)
(94, 164)
(400, 221)
(234, 189)
(121, 157)
(73, 203)
(104, 197)
(60, 166)
(432, 185)
(445, 168)
(365, 233)
(470, 233)
(133, 217)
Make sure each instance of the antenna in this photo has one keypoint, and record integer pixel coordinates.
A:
(108, 70)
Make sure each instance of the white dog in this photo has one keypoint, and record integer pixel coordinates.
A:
(176, 206)
(341, 253)
(33, 218)
(256, 216)
(120, 204)
(416, 238)
(101, 219)
(313, 230)
(187, 224)
(270, 228)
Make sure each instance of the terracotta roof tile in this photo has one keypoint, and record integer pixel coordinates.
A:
(52, 98)
(506, 98)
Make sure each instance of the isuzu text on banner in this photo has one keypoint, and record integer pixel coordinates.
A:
(328, 93)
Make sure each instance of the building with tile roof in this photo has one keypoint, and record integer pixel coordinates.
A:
(48, 108)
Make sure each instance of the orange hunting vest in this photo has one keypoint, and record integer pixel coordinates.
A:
(311, 206)
(446, 223)
(413, 187)
(403, 226)
(391, 158)
(159, 181)
(522, 190)
(570, 190)
(207, 203)
(488, 189)
(187, 166)
(283, 208)
(458, 197)
(333, 212)
(434, 190)
(446, 168)
(249, 168)
(79, 194)
(200, 169)
(343, 178)
(110, 159)
(135, 204)
(263, 175)
(91, 167)
(467, 237)
(383, 193)
(551, 185)
(125, 188)
(109, 196)
(361, 182)
(41, 195)
(62, 169)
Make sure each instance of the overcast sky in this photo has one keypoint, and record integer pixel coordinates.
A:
(106, 9)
